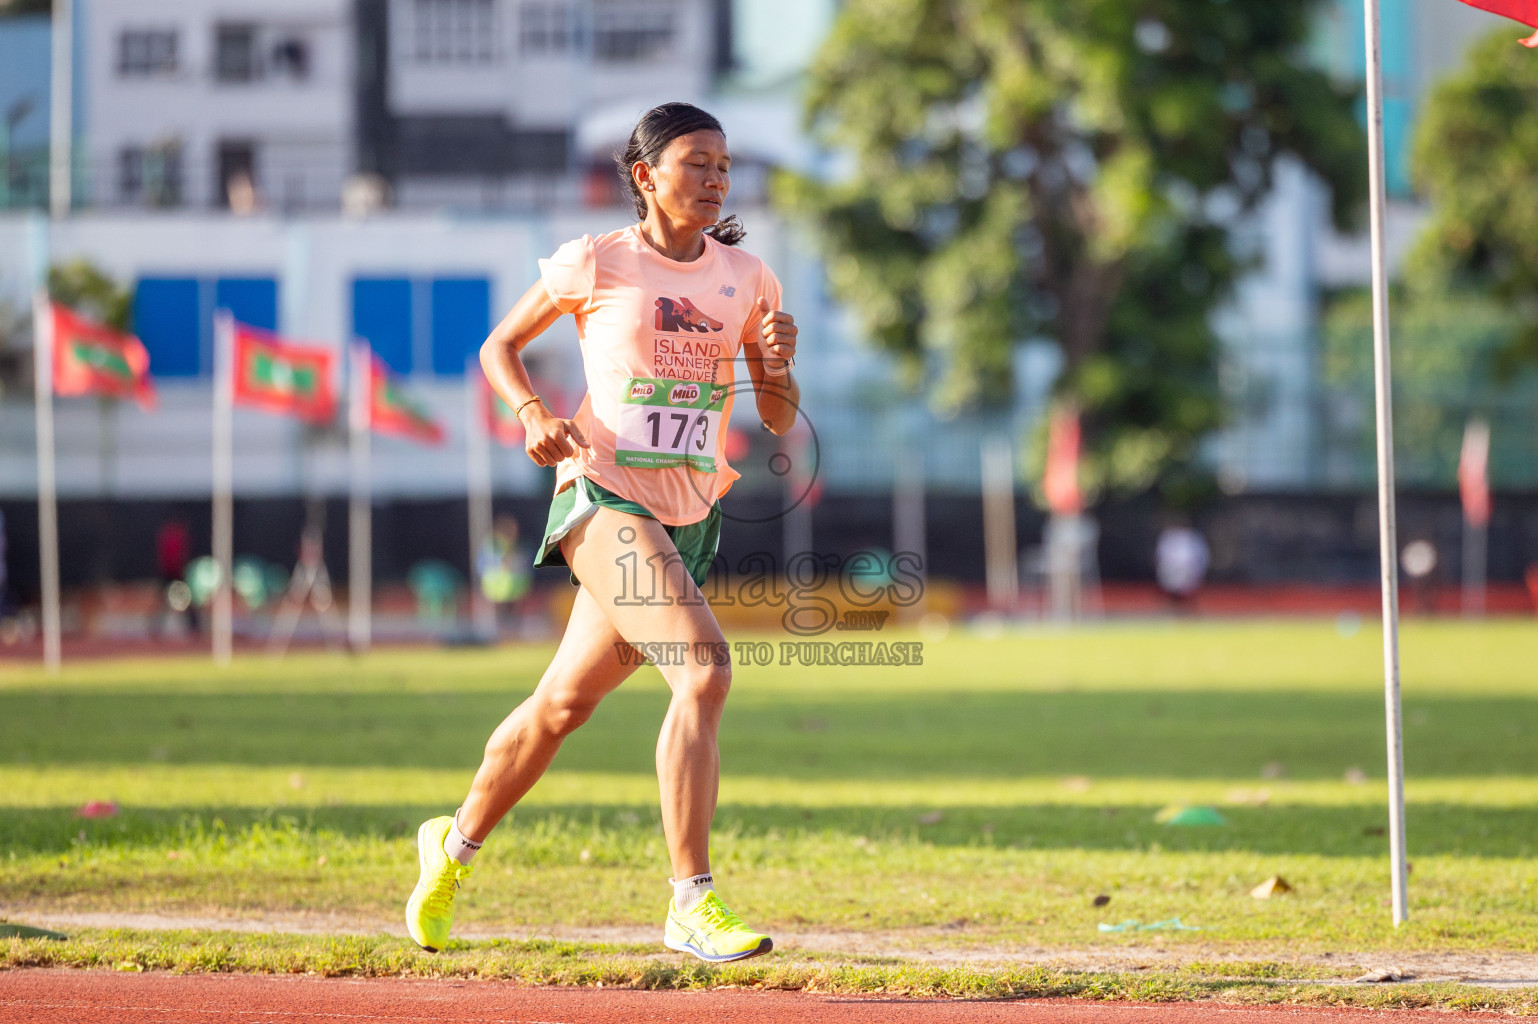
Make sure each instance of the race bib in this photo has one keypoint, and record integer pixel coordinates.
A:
(669, 423)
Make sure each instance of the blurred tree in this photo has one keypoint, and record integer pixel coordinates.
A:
(9, 7)
(83, 287)
(1476, 161)
(1447, 350)
(1036, 168)
(1465, 324)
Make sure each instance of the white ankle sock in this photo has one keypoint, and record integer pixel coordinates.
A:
(457, 845)
(689, 891)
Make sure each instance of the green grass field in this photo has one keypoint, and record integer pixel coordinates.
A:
(979, 801)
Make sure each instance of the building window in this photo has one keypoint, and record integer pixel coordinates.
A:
(421, 324)
(291, 58)
(454, 31)
(130, 174)
(632, 30)
(173, 316)
(237, 176)
(150, 176)
(235, 53)
(145, 52)
(550, 26)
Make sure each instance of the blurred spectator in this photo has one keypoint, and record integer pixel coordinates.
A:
(240, 189)
(1180, 563)
(173, 545)
(435, 584)
(503, 565)
(1419, 562)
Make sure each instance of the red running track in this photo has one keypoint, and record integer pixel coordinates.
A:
(106, 997)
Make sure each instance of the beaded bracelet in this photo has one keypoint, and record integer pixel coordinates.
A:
(519, 408)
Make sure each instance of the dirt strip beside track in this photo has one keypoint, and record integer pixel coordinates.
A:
(100, 997)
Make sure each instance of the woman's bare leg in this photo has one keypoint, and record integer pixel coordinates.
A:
(586, 668)
(688, 760)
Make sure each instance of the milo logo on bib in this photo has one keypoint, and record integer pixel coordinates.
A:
(642, 390)
(684, 394)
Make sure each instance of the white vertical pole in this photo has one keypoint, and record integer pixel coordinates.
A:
(224, 483)
(61, 109)
(360, 540)
(1476, 557)
(47, 486)
(908, 526)
(478, 490)
(1388, 542)
(1000, 550)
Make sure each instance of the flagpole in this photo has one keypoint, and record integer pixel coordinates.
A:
(1001, 559)
(61, 110)
(1476, 548)
(359, 510)
(1387, 532)
(224, 483)
(908, 528)
(47, 484)
(483, 613)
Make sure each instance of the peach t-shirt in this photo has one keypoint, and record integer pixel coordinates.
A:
(656, 335)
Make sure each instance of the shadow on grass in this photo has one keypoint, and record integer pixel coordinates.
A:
(1210, 734)
(555, 834)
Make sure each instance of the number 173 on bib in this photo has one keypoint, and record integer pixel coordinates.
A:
(666, 422)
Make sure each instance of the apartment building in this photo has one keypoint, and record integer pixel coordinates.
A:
(482, 98)
(278, 104)
(238, 104)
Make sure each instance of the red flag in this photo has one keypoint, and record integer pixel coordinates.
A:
(279, 376)
(1474, 473)
(391, 411)
(1525, 11)
(1060, 481)
(91, 359)
(502, 426)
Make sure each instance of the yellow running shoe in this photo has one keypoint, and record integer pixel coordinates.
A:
(430, 911)
(712, 932)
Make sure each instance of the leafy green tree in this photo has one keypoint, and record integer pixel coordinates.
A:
(1039, 168)
(1465, 317)
(1448, 346)
(83, 287)
(1476, 161)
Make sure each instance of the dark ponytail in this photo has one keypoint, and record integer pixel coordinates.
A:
(658, 127)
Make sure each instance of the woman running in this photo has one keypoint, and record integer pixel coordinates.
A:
(662, 309)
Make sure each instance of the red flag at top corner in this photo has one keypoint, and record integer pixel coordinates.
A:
(1474, 473)
(1060, 481)
(92, 359)
(1525, 11)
